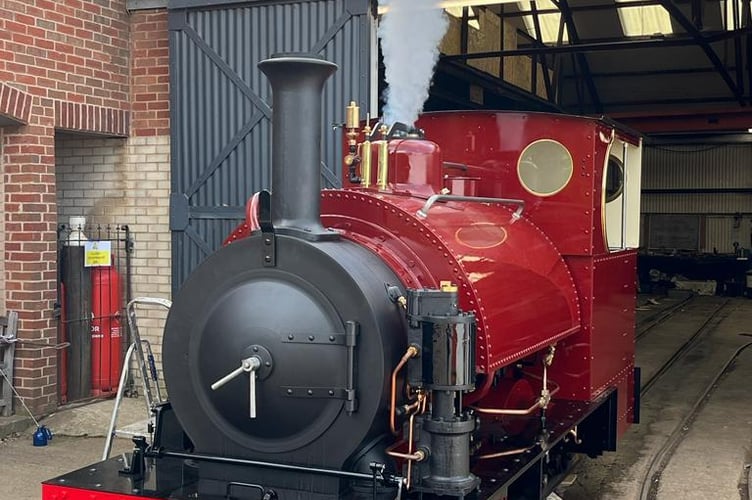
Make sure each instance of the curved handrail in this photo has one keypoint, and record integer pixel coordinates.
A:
(423, 211)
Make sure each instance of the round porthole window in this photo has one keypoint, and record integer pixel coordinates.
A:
(545, 167)
(614, 182)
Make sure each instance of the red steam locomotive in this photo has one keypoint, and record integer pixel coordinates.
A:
(456, 321)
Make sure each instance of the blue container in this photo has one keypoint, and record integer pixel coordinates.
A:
(41, 436)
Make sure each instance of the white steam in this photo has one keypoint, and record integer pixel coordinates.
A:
(410, 33)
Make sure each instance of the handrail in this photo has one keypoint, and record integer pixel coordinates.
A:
(423, 211)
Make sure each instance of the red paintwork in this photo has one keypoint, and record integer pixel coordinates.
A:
(414, 166)
(488, 145)
(493, 260)
(602, 354)
(55, 492)
(545, 278)
(251, 221)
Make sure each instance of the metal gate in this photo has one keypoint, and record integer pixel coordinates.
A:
(94, 284)
(220, 116)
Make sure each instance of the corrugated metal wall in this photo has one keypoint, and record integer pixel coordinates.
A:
(696, 203)
(713, 180)
(220, 114)
(697, 166)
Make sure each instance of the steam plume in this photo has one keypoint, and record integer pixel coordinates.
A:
(410, 33)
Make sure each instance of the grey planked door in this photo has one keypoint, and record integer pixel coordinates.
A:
(220, 114)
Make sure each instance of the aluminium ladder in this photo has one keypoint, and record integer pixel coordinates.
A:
(146, 366)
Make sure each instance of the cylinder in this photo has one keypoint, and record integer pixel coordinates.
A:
(297, 82)
(106, 339)
(453, 348)
(77, 285)
(448, 469)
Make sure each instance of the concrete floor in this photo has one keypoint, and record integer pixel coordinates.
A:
(710, 461)
(78, 441)
(708, 464)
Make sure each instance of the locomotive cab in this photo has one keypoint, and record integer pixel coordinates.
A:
(621, 193)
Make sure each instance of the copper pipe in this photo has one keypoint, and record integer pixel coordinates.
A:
(505, 453)
(538, 377)
(411, 407)
(508, 411)
(408, 481)
(411, 352)
(481, 391)
(417, 456)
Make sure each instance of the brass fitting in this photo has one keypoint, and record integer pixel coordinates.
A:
(352, 116)
(402, 301)
(383, 172)
(365, 163)
(352, 122)
(549, 357)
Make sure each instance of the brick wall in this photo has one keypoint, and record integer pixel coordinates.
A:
(2, 231)
(117, 181)
(30, 252)
(69, 50)
(73, 58)
(150, 74)
(149, 149)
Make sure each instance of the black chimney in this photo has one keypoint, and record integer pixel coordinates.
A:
(297, 82)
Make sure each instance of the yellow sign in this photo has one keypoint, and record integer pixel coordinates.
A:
(97, 253)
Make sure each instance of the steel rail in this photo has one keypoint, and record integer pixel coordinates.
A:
(652, 477)
(648, 324)
(686, 346)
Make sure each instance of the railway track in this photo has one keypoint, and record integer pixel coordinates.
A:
(695, 340)
(647, 324)
(651, 479)
(712, 321)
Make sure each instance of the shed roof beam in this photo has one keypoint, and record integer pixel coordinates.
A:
(690, 28)
(542, 57)
(655, 72)
(612, 44)
(587, 8)
(581, 58)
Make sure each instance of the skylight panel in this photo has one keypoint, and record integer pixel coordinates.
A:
(472, 20)
(549, 23)
(732, 10)
(644, 20)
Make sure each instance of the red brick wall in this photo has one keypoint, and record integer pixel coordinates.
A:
(72, 50)
(150, 78)
(14, 104)
(68, 55)
(30, 252)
